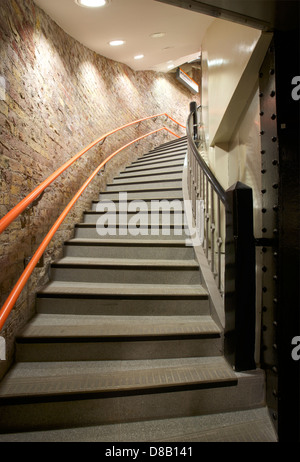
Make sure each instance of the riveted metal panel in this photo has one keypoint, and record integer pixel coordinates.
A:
(270, 224)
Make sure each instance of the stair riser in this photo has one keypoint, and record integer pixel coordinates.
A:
(123, 204)
(168, 193)
(157, 159)
(99, 410)
(146, 178)
(122, 307)
(181, 147)
(126, 275)
(145, 218)
(138, 187)
(162, 154)
(109, 251)
(153, 165)
(116, 349)
(132, 233)
(149, 172)
(165, 150)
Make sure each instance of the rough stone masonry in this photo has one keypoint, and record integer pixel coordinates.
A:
(57, 97)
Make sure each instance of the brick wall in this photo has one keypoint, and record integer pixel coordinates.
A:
(56, 97)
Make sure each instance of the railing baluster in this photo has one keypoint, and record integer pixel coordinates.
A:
(223, 226)
(207, 217)
(212, 228)
(219, 242)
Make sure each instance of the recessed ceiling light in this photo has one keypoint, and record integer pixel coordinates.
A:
(91, 3)
(171, 66)
(157, 35)
(116, 43)
(139, 57)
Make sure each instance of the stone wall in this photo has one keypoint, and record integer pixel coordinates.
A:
(57, 97)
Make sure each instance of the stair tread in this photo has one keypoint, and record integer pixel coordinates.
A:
(53, 326)
(126, 242)
(99, 289)
(148, 189)
(158, 159)
(252, 425)
(125, 262)
(149, 172)
(58, 382)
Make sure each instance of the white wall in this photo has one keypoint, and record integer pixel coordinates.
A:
(232, 55)
(226, 50)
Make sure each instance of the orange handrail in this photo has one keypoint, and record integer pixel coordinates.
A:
(15, 293)
(21, 206)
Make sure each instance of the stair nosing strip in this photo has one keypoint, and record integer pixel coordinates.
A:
(157, 385)
(145, 182)
(125, 243)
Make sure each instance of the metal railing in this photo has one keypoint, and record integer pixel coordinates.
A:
(21, 206)
(16, 211)
(208, 199)
(224, 220)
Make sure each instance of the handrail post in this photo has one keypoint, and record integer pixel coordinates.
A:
(193, 109)
(240, 279)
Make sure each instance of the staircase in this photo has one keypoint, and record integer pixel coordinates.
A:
(123, 346)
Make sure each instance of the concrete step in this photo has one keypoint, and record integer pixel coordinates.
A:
(148, 178)
(124, 204)
(166, 150)
(158, 159)
(130, 271)
(49, 337)
(130, 231)
(64, 394)
(155, 165)
(162, 154)
(146, 185)
(172, 146)
(128, 248)
(245, 426)
(166, 193)
(151, 171)
(159, 217)
(123, 299)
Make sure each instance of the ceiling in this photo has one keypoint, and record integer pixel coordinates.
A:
(134, 21)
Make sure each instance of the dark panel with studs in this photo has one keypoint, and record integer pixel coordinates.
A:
(270, 223)
(288, 322)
